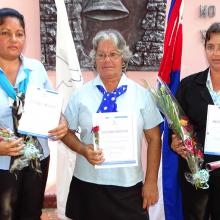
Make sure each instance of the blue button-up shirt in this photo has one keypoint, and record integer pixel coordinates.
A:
(38, 78)
(84, 102)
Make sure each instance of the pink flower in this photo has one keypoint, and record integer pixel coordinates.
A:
(189, 145)
(199, 153)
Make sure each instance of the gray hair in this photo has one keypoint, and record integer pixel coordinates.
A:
(117, 38)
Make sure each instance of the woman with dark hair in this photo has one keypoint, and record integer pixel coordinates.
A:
(195, 93)
(119, 193)
(21, 195)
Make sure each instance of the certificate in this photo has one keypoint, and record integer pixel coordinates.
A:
(212, 138)
(41, 112)
(117, 138)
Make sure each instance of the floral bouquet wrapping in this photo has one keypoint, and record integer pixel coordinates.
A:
(31, 154)
(179, 123)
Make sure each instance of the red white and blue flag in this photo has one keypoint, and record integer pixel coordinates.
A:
(169, 71)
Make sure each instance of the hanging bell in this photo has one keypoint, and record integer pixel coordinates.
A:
(105, 10)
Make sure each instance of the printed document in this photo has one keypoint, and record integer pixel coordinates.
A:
(41, 112)
(212, 138)
(117, 138)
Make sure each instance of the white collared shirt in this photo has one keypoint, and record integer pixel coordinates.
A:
(215, 95)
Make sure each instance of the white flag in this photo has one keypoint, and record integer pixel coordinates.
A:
(68, 73)
(68, 78)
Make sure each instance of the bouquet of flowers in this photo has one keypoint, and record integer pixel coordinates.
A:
(180, 125)
(31, 154)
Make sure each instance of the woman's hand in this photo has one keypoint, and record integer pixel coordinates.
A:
(150, 194)
(178, 147)
(93, 157)
(11, 148)
(60, 131)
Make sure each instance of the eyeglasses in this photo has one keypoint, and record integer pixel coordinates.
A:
(111, 56)
(9, 35)
(212, 48)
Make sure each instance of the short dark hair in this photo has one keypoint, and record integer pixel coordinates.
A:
(10, 12)
(214, 28)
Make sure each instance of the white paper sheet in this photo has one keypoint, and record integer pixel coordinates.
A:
(117, 139)
(212, 139)
(41, 113)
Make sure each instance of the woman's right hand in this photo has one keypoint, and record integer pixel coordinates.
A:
(11, 148)
(178, 147)
(93, 156)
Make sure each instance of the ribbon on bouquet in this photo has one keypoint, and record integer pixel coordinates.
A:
(213, 165)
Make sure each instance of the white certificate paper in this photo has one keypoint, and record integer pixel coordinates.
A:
(212, 138)
(117, 139)
(41, 112)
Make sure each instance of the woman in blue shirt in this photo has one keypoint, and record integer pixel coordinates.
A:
(21, 195)
(113, 193)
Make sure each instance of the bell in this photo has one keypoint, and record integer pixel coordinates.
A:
(105, 10)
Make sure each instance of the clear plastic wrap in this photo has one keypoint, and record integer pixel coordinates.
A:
(180, 125)
(31, 153)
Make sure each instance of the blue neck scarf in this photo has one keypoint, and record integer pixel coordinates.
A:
(108, 103)
(9, 89)
(17, 96)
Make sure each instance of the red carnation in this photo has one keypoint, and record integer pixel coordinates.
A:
(95, 129)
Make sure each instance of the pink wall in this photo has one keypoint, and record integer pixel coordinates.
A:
(30, 10)
(193, 59)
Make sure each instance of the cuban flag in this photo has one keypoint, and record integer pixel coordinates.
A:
(68, 79)
(169, 71)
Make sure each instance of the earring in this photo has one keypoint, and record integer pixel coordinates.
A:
(124, 67)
